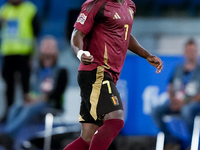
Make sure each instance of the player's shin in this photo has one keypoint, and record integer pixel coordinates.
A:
(106, 134)
(78, 144)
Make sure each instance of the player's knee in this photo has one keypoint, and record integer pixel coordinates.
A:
(88, 131)
(87, 139)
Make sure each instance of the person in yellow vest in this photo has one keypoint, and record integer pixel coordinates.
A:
(19, 27)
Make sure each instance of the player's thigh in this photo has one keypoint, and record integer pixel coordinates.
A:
(88, 130)
(117, 114)
(110, 104)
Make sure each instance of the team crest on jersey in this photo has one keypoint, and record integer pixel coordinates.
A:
(115, 100)
(82, 18)
(131, 12)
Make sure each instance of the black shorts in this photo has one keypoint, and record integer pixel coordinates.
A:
(99, 96)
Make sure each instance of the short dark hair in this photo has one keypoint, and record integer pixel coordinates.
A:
(191, 41)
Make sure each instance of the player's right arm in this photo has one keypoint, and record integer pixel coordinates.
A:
(82, 27)
(77, 46)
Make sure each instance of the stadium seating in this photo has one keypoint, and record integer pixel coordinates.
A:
(143, 2)
(169, 2)
(144, 7)
(178, 128)
(58, 11)
(2, 2)
(41, 6)
(193, 7)
(195, 134)
(159, 4)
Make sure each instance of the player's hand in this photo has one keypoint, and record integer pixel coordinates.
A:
(86, 60)
(156, 62)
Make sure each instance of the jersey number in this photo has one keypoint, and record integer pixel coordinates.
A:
(108, 84)
(126, 33)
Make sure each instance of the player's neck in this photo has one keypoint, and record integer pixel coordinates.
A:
(120, 1)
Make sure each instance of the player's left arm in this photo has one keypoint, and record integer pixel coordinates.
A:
(136, 48)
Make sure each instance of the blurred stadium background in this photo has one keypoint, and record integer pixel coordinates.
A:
(160, 26)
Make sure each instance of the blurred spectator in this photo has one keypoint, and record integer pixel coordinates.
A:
(184, 93)
(48, 83)
(19, 27)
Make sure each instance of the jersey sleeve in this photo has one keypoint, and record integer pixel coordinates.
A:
(131, 4)
(85, 20)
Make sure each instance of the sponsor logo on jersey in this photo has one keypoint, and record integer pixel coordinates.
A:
(82, 18)
(116, 16)
(115, 100)
(131, 12)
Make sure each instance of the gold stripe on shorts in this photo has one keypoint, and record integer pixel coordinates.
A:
(96, 88)
(80, 118)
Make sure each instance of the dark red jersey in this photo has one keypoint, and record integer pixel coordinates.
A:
(107, 25)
